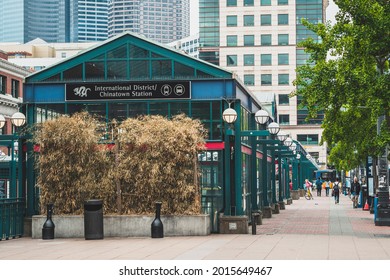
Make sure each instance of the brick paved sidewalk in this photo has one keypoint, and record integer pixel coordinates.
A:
(307, 230)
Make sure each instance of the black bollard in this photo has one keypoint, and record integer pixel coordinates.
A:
(157, 225)
(254, 222)
(48, 226)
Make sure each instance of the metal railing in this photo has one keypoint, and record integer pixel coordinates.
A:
(11, 217)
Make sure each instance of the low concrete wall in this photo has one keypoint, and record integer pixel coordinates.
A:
(125, 225)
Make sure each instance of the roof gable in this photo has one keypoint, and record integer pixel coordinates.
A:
(129, 57)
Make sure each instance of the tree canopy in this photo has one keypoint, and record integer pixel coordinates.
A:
(348, 79)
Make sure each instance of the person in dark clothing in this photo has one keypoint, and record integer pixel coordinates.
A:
(319, 186)
(336, 189)
(355, 190)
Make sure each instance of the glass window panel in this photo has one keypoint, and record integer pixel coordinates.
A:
(231, 3)
(74, 73)
(75, 108)
(201, 111)
(284, 119)
(137, 109)
(248, 2)
(99, 57)
(117, 70)
(249, 40)
(249, 20)
(117, 111)
(282, 2)
(139, 69)
(249, 80)
(283, 19)
(284, 99)
(216, 111)
(249, 59)
(162, 68)
(283, 79)
(94, 70)
(56, 77)
(282, 39)
(137, 52)
(265, 19)
(216, 131)
(182, 70)
(97, 110)
(178, 108)
(283, 59)
(231, 60)
(231, 20)
(231, 40)
(266, 79)
(158, 108)
(266, 59)
(118, 52)
(265, 2)
(266, 40)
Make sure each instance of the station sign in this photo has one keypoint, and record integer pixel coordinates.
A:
(128, 90)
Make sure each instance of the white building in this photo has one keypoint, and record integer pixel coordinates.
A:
(258, 41)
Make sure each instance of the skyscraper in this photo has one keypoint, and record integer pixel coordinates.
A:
(92, 20)
(25, 20)
(161, 20)
(258, 40)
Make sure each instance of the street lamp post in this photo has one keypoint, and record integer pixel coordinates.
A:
(18, 119)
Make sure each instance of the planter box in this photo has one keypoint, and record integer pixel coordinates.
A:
(124, 225)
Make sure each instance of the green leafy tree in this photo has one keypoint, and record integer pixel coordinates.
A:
(348, 78)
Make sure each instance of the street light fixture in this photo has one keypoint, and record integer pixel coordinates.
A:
(229, 115)
(18, 119)
(293, 147)
(288, 142)
(298, 156)
(282, 136)
(273, 128)
(262, 116)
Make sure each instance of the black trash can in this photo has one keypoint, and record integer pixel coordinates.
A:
(93, 219)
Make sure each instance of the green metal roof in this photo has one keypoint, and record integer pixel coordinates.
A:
(134, 39)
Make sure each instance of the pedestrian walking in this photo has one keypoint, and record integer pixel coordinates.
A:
(290, 184)
(336, 189)
(355, 190)
(327, 187)
(319, 186)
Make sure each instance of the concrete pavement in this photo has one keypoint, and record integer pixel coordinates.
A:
(317, 229)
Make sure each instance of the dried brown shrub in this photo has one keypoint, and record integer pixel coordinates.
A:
(155, 159)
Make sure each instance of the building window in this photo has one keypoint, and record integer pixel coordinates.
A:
(283, 79)
(266, 59)
(283, 19)
(265, 2)
(282, 2)
(265, 19)
(231, 40)
(15, 86)
(249, 80)
(283, 39)
(266, 79)
(308, 139)
(3, 84)
(231, 3)
(249, 20)
(284, 99)
(283, 59)
(248, 2)
(249, 59)
(63, 55)
(249, 40)
(231, 20)
(231, 60)
(284, 119)
(266, 40)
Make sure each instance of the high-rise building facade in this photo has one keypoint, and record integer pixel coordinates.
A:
(163, 21)
(24, 20)
(92, 20)
(257, 39)
(54, 21)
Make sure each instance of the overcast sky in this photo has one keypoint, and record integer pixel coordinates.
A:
(194, 12)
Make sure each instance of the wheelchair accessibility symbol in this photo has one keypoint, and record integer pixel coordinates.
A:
(179, 90)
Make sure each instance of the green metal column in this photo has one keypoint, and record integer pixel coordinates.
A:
(31, 200)
(295, 174)
(273, 177)
(264, 175)
(253, 174)
(227, 172)
(237, 207)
